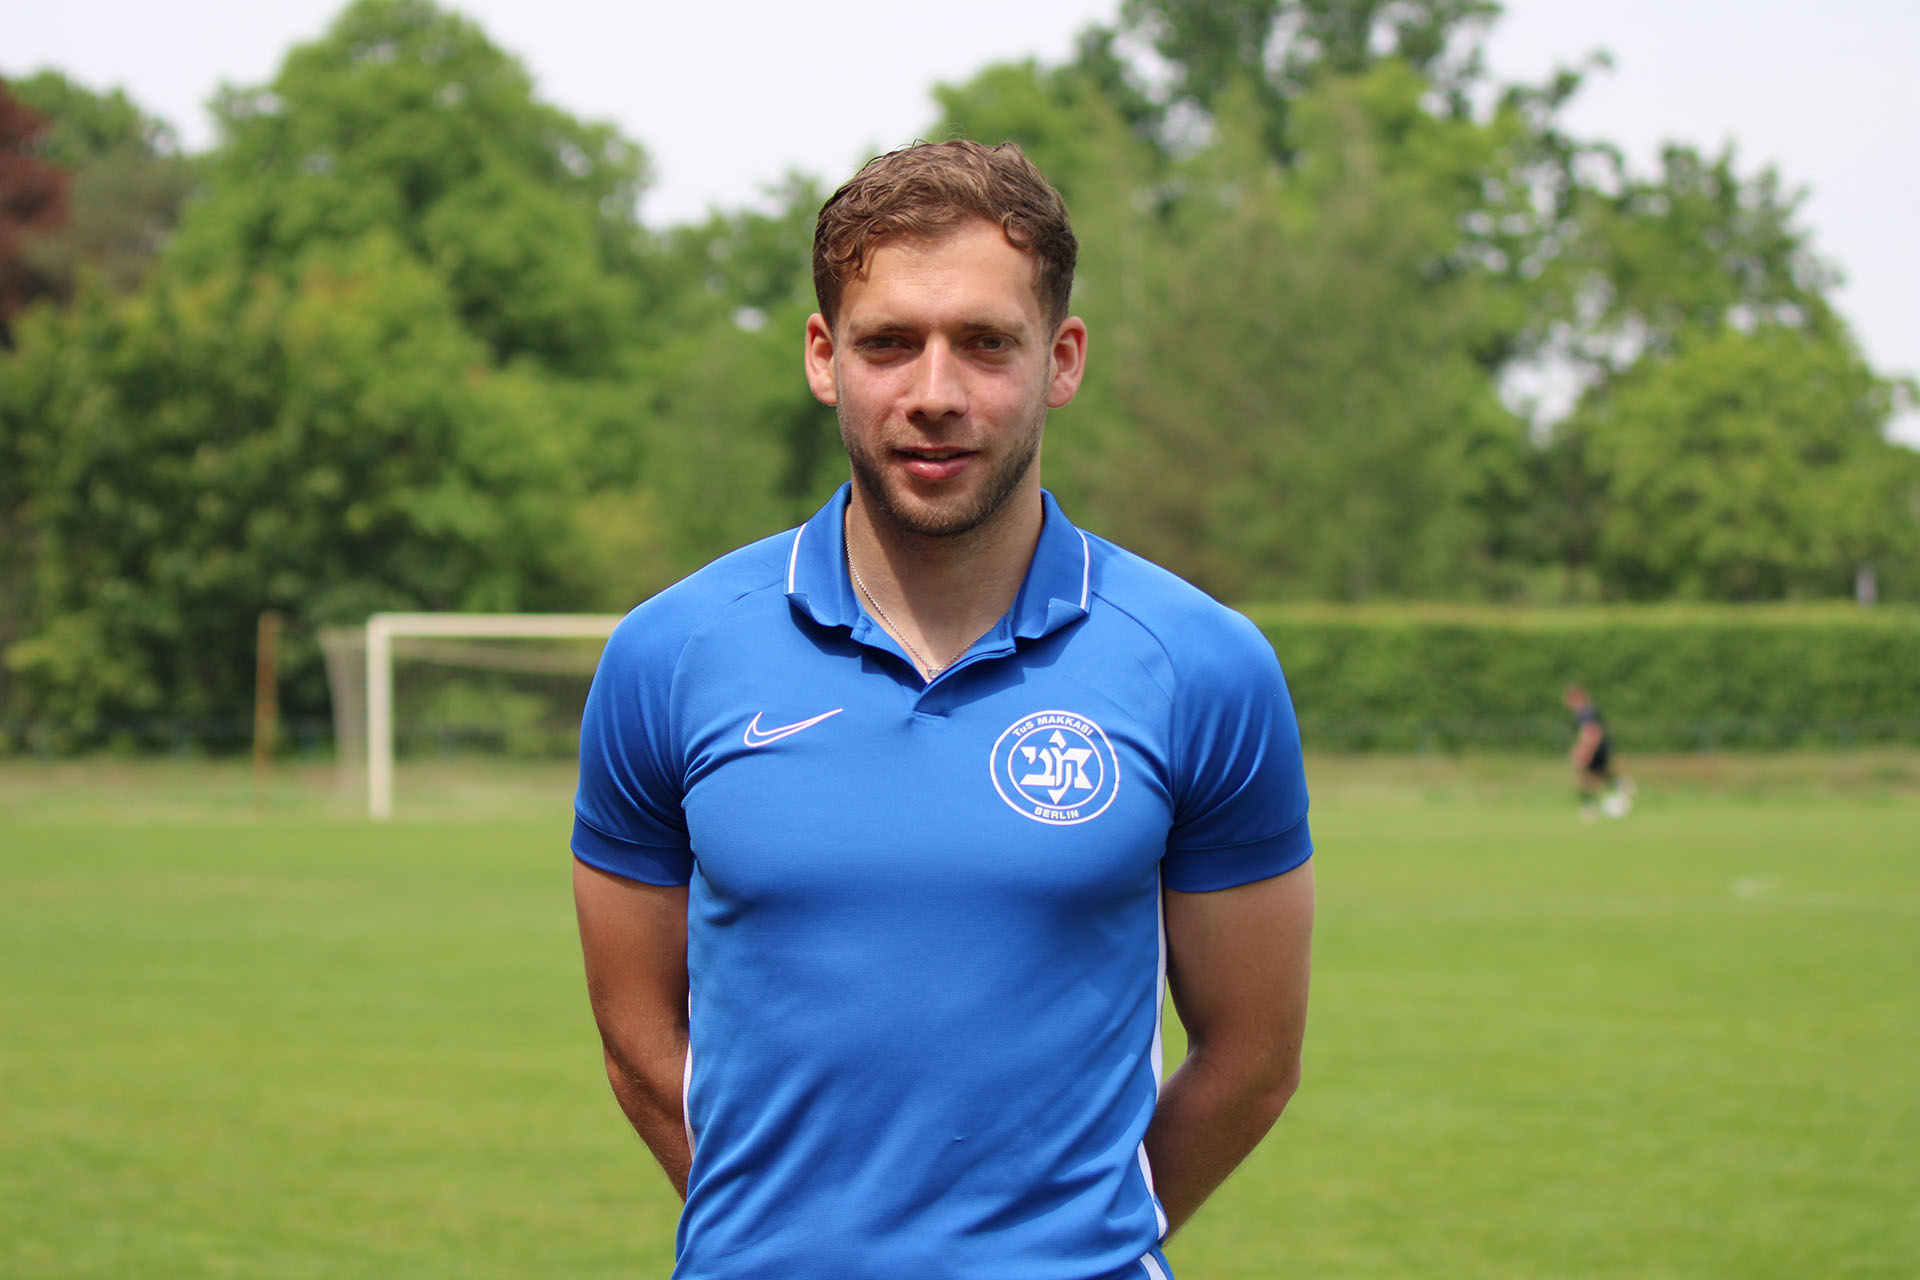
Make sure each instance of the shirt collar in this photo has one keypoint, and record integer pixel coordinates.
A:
(1057, 590)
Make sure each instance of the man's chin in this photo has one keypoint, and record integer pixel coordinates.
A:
(924, 519)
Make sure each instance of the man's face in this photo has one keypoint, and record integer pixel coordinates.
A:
(941, 368)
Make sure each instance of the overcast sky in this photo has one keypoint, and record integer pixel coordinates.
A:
(726, 97)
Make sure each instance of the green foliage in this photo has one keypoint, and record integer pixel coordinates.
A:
(405, 119)
(746, 261)
(1750, 466)
(1277, 49)
(1694, 249)
(129, 183)
(217, 448)
(730, 444)
(85, 125)
(389, 349)
(1668, 678)
(409, 344)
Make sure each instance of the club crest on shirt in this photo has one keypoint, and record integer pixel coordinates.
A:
(1055, 767)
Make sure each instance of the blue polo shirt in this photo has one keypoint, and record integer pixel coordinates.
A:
(924, 937)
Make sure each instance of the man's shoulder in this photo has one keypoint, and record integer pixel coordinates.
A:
(666, 620)
(1197, 632)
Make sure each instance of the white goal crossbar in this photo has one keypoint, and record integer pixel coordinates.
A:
(384, 628)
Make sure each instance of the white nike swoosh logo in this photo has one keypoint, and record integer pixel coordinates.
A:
(754, 737)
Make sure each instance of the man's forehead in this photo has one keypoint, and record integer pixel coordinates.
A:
(910, 249)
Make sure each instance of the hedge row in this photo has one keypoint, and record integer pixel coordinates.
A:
(1667, 678)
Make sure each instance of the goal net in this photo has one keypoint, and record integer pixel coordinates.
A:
(410, 683)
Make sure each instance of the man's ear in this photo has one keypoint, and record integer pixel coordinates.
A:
(819, 360)
(1069, 361)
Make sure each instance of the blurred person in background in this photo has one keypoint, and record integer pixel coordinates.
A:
(1601, 790)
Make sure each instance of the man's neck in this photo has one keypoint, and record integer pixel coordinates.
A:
(939, 594)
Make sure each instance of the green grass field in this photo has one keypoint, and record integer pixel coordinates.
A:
(254, 1036)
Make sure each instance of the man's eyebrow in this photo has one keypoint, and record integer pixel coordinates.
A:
(876, 324)
(883, 325)
(1005, 324)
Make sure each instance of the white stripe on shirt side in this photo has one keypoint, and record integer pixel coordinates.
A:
(1086, 568)
(793, 560)
(1159, 1005)
(1160, 990)
(1159, 1212)
(1152, 1268)
(686, 1087)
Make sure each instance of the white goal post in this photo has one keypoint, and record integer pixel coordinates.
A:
(384, 628)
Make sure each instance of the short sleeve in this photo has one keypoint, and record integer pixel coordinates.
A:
(1240, 798)
(628, 819)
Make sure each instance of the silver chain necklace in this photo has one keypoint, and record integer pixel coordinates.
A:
(894, 627)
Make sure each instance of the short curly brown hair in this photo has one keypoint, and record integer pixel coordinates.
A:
(927, 189)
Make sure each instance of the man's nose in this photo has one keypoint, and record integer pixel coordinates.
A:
(939, 389)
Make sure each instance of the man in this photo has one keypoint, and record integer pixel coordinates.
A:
(889, 826)
(1592, 760)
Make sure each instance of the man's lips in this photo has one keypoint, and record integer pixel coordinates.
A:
(934, 464)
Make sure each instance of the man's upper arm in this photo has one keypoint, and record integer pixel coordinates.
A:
(633, 936)
(1237, 964)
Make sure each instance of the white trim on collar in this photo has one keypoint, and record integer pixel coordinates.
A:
(1086, 568)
